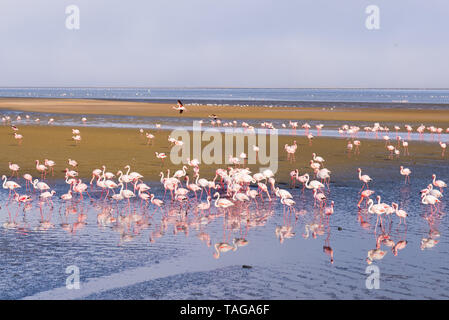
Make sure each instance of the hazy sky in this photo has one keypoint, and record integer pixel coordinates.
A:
(237, 43)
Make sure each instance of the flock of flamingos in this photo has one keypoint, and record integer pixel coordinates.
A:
(126, 204)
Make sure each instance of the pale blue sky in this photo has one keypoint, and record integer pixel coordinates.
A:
(237, 43)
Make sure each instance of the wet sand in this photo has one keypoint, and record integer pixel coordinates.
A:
(117, 148)
(107, 107)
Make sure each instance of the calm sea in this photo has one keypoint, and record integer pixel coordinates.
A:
(356, 98)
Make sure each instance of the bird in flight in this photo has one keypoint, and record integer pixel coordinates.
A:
(180, 107)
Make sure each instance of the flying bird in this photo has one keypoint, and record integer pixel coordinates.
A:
(180, 107)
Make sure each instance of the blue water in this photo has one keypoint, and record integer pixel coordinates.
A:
(410, 98)
(181, 266)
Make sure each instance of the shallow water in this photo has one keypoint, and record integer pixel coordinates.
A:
(181, 266)
(122, 263)
(330, 128)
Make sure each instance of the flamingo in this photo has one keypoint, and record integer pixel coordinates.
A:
(263, 188)
(283, 194)
(180, 173)
(11, 185)
(328, 211)
(50, 164)
(429, 200)
(143, 196)
(405, 172)
(427, 243)
(378, 209)
(320, 197)
(76, 138)
(81, 187)
(223, 247)
(192, 186)
(70, 173)
(400, 213)
(158, 203)
(222, 203)
(357, 145)
(443, 148)
(18, 137)
(433, 192)
(28, 180)
(375, 254)
(41, 168)
(438, 183)
(204, 205)
(161, 156)
(256, 150)
(314, 184)
(96, 174)
(365, 195)
(310, 137)
(303, 179)
(41, 186)
(67, 196)
(405, 146)
(180, 107)
(289, 203)
(47, 195)
(72, 163)
(14, 169)
(364, 178)
(317, 158)
(293, 176)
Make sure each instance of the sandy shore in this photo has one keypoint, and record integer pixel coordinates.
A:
(85, 107)
(116, 148)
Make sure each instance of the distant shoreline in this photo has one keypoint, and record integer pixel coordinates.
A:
(153, 109)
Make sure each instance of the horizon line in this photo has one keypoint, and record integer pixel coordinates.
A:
(218, 87)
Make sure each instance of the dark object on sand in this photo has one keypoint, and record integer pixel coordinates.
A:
(246, 267)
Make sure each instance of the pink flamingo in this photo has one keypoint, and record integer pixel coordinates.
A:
(18, 137)
(158, 203)
(365, 196)
(357, 145)
(400, 213)
(319, 197)
(438, 183)
(443, 148)
(28, 180)
(364, 178)
(405, 146)
(204, 205)
(50, 164)
(41, 168)
(161, 156)
(405, 172)
(14, 169)
(11, 185)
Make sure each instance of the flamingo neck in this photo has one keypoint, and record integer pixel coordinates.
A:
(370, 206)
(217, 251)
(216, 201)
